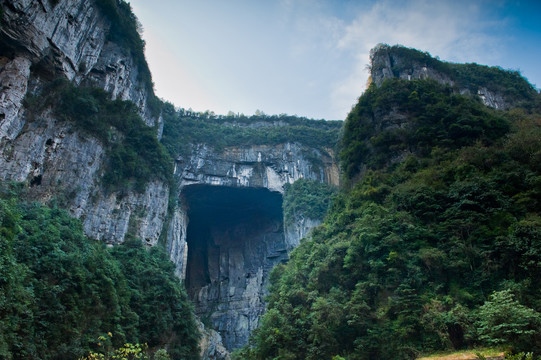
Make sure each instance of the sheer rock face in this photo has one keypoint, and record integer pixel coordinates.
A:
(229, 233)
(235, 237)
(40, 42)
(258, 166)
(298, 229)
(265, 166)
(384, 61)
(70, 40)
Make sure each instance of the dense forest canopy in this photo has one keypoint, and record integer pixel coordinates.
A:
(434, 243)
(60, 291)
(307, 199)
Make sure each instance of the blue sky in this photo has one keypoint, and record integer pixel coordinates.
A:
(309, 57)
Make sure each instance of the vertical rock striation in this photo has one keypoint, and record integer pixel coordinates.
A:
(225, 251)
(41, 41)
(257, 166)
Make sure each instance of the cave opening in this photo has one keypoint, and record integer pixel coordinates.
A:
(235, 236)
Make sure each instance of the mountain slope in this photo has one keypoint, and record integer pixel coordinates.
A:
(433, 243)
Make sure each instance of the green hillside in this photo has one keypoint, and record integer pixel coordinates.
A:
(433, 244)
(60, 291)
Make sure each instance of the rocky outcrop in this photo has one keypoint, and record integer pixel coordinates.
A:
(63, 165)
(41, 41)
(258, 166)
(386, 65)
(211, 345)
(492, 99)
(70, 39)
(229, 282)
(391, 62)
(264, 166)
(297, 229)
(177, 246)
(14, 74)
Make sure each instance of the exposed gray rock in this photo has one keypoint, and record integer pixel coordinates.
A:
(385, 64)
(235, 238)
(143, 215)
(14, 76)
(177, 247)
(60, 163)
(232, 299)
(259, 166)
(63, 164)
(60, 38)
(69, 39)
(53, 159)
(211, 344)
(298, 229)
(489, 98)
(264, 166)
(116, 72)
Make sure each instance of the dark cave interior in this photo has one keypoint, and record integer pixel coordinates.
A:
(232, 232)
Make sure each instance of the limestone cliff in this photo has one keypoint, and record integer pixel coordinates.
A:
(225, 265)
(41, 41)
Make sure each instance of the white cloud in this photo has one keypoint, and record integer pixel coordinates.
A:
(305, 57)
(455, 31)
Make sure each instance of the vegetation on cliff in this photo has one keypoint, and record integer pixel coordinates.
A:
(182, 129)
(473, 77)
(307, 198)
(434, 243)
(135, 155)
(126, 31)
(60, 291)
(413, 117)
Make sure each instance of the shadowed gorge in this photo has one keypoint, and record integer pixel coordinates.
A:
(131, 227)
(235, 236)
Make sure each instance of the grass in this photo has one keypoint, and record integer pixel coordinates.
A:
(466, 355)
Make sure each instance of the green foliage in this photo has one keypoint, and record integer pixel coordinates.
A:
(59, 290)
(182, 129)
(127, 351)
(503, 320)
(306, 198)
(135, 156)
(410, 250)
(432, 116)
(520, 356)
(165, 314)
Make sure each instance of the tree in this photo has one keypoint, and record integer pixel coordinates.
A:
(504, 321)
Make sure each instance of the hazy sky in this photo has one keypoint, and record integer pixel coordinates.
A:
(309, 57)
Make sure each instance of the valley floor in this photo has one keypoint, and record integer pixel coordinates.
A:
(466, 355)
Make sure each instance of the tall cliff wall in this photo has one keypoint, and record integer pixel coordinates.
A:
(232, 296)
(40, 42)
(43, 40)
